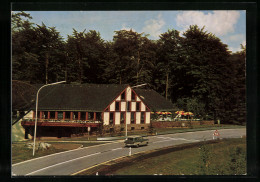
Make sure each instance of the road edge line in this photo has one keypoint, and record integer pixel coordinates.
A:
(73, 174)
(61, 153)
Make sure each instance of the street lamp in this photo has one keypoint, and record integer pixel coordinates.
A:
(130, 116)
(36, 110)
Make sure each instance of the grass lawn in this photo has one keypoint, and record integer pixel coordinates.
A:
(20, 152)
(222, 157)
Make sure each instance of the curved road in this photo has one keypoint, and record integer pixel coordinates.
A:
(70, 162)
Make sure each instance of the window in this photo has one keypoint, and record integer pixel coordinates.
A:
(128, 106)
(122, 118)
(38, 114)
(117, 106)
(82, 116)
(123, 96)
(142, 128)
(90, 116)
(45, 115)
(132, 118)
(75, 115)
(111, 118)
(138, 106)
(98, 116)
(132, 128)
(67, 115)
(52, 114)
(142, 117)
(133, 96)
(60, 115)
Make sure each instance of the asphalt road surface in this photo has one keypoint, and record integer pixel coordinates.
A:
(73, 161)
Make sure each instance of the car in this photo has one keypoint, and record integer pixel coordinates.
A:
(135, 141)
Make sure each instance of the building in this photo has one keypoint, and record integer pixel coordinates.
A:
(67, 109)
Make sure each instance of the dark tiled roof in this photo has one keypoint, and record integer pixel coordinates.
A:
(154, 100)
(82, 97)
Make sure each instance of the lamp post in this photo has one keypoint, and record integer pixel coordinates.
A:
(36, 110)
(130, 116)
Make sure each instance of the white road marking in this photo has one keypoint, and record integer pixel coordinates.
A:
(117, 148)
(170, 138)
(62, 163)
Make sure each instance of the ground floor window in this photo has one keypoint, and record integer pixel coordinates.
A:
(122, 118)
(90, 116)
(132, 117)
(67, 115)
(75, 115)
(45, 115)
(52, 114)
(98, 116)
(111, 118)
(60, 115)
(82, 116)
(142, 117)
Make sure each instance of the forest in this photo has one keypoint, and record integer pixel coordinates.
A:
(195, 71)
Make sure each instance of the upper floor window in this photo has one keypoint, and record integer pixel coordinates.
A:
(123, 96)
(128, 106)
(117, 106)
(133, 96)
(138, 106)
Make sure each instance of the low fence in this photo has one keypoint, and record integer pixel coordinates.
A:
(168, 124)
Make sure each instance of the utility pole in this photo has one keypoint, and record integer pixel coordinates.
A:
(166, 89)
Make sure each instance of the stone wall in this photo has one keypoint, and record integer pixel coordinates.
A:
(118, 128)
(168, 124)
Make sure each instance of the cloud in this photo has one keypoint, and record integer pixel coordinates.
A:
(218, 22)
(124, 27)
(237, 38)
(154, 26)
(235, 49)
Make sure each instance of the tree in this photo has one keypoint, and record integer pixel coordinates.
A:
(170, 62)
(35, 49)
(208, 69)
(86, 50)
(134, 57)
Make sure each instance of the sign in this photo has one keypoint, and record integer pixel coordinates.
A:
(216, 133)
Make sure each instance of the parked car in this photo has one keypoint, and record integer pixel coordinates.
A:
(135, 141)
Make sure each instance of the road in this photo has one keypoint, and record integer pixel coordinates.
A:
(70, 162)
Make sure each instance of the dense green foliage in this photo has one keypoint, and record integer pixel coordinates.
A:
(196, 72)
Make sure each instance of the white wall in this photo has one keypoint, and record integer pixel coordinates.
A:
(117, 117)
(128, 116)
(133, 106)
(29, 115)
(128, 94)
(123, 106)
(112, 106)
(138, 117)
(142, 106)
(147, 117)
(118, 98)
(106, 118)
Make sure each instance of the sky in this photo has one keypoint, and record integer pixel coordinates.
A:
(229, 26)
